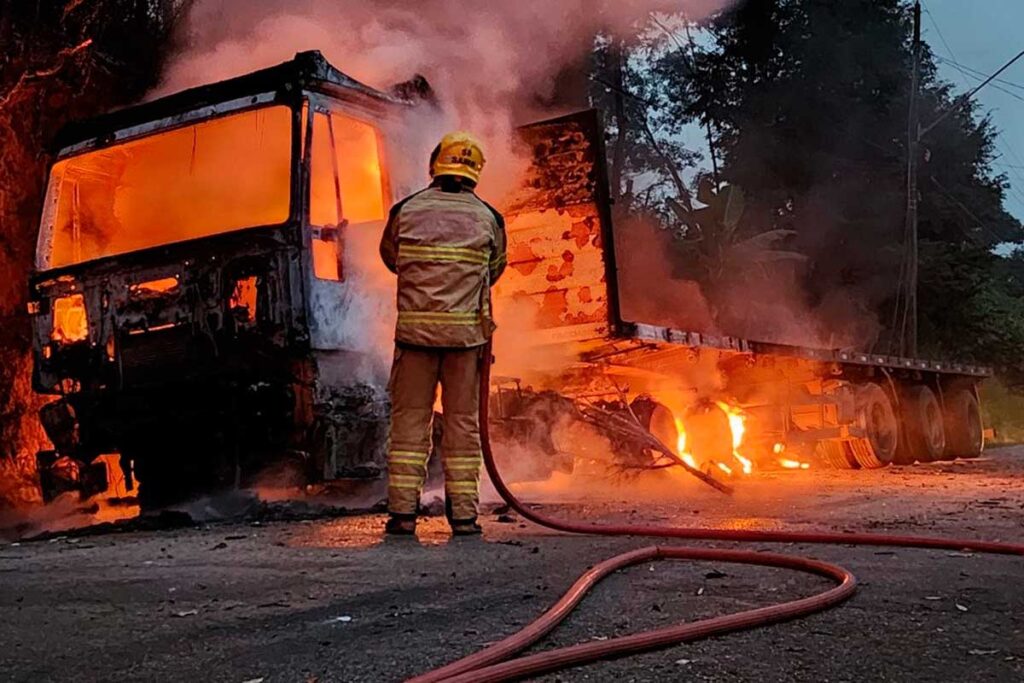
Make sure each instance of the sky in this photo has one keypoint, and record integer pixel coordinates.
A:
(982, 35)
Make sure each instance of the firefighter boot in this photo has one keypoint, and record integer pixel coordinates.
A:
(470, 528)
(461, 527)
(401, 525)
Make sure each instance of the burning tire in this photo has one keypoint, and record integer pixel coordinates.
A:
(923, 426)
(878, 419)
(709, 435)
(964, 432)
(661, 422)
(836, 455)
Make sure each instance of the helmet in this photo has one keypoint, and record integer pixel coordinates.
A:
(458, 154)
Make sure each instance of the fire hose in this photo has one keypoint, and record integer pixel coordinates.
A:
(495, 662)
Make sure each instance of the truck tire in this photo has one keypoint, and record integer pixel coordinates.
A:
(836, 455)
(662, 424)
(965, 437)
(923, 426)
(876, 415)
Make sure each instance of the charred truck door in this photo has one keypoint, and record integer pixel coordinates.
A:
(347, 201)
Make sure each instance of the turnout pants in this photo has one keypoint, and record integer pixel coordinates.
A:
(414, 378)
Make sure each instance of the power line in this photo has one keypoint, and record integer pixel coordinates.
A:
(960, 68)
(967, 96)
(1007, 148)
(1015, 192)
(978, 223)
(963, 67)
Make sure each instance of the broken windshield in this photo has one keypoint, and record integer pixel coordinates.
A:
(203, 179)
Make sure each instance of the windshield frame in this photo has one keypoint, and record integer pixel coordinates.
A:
(157, 126)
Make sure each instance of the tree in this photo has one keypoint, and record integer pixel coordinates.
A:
(61, 61)
(807, 101)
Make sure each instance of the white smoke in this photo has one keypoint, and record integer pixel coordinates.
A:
(489, 62)
(492, 65)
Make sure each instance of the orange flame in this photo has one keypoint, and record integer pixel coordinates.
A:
(793, 464)
(681, 445)
(70, 323)
(738, 427)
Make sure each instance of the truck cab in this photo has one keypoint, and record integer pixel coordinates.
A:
(192, 304)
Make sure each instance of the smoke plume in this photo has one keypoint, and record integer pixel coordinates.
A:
(493, 65)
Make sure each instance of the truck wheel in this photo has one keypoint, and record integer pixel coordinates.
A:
(878, 419)
(964, 433)
(923, 425)
(836, 455)
(662, 424)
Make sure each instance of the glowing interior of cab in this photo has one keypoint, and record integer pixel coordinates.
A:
(70, 323)
(209, 178)
(346, 184)
(353, 160)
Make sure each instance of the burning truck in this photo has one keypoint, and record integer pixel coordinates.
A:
(196, 268)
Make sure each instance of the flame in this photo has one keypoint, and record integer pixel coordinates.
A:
(681, 445)
(748, 466)
(211, 177)
(793, 464)
(165, 284)
(70, 323)
(738, 427)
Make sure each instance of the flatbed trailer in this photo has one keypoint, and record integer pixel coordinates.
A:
(847, 408)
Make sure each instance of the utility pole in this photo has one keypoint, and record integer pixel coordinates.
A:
(908, 325)
(905, 310)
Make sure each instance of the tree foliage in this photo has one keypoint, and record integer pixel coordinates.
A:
(806, 102)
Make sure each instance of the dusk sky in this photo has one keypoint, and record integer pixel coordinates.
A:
(982, 35)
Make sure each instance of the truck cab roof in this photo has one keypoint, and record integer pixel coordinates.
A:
(306, 71)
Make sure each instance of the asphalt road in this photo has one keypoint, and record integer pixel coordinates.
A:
(330, 600)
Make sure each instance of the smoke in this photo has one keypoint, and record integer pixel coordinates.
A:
(493, 65)
(750, 297)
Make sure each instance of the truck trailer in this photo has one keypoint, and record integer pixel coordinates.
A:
(208, 304)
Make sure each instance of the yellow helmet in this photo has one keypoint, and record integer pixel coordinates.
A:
(460, 154)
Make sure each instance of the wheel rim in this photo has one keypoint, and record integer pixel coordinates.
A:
(974, 429)
(935, 431)
(882, 431)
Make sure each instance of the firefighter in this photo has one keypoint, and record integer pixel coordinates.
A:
(447, 247)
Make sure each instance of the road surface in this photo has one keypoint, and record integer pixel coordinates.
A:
(331, 600)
